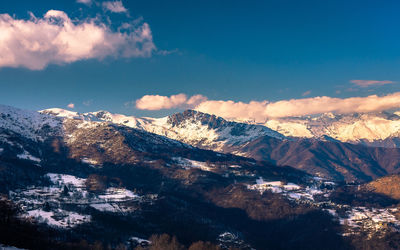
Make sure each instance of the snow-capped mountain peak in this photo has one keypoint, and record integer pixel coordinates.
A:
(215, 132)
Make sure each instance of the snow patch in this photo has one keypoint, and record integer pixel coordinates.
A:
(63, 179)
(118, 194)
(27, 156)
(139, 240)
(105, 207)
(187, 164)
(273, 186)
(235, 166)
(59, 218)
(290, 190)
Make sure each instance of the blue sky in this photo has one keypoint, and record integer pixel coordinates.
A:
(224, 50)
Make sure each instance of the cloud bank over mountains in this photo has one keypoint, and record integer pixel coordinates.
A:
(57, 39)
(157, 102)
(260, 111)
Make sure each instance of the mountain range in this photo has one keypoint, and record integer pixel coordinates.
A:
(124, 182)
(323, 151)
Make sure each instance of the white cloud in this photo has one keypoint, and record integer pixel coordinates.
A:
(56, 39)
(71, 105)
(195, 100)
(87, 2)
(262, 110)
(367, 83)
(157, 102)
(114, 6)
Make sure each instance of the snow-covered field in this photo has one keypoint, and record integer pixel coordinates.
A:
(47, 204)
(64, 179)
(58, 217)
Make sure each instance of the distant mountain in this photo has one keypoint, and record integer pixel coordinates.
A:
(372, 129)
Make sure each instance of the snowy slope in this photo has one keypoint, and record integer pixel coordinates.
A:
(29, 124)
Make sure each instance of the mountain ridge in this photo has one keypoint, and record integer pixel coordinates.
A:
(380, 129)
(327, 158)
